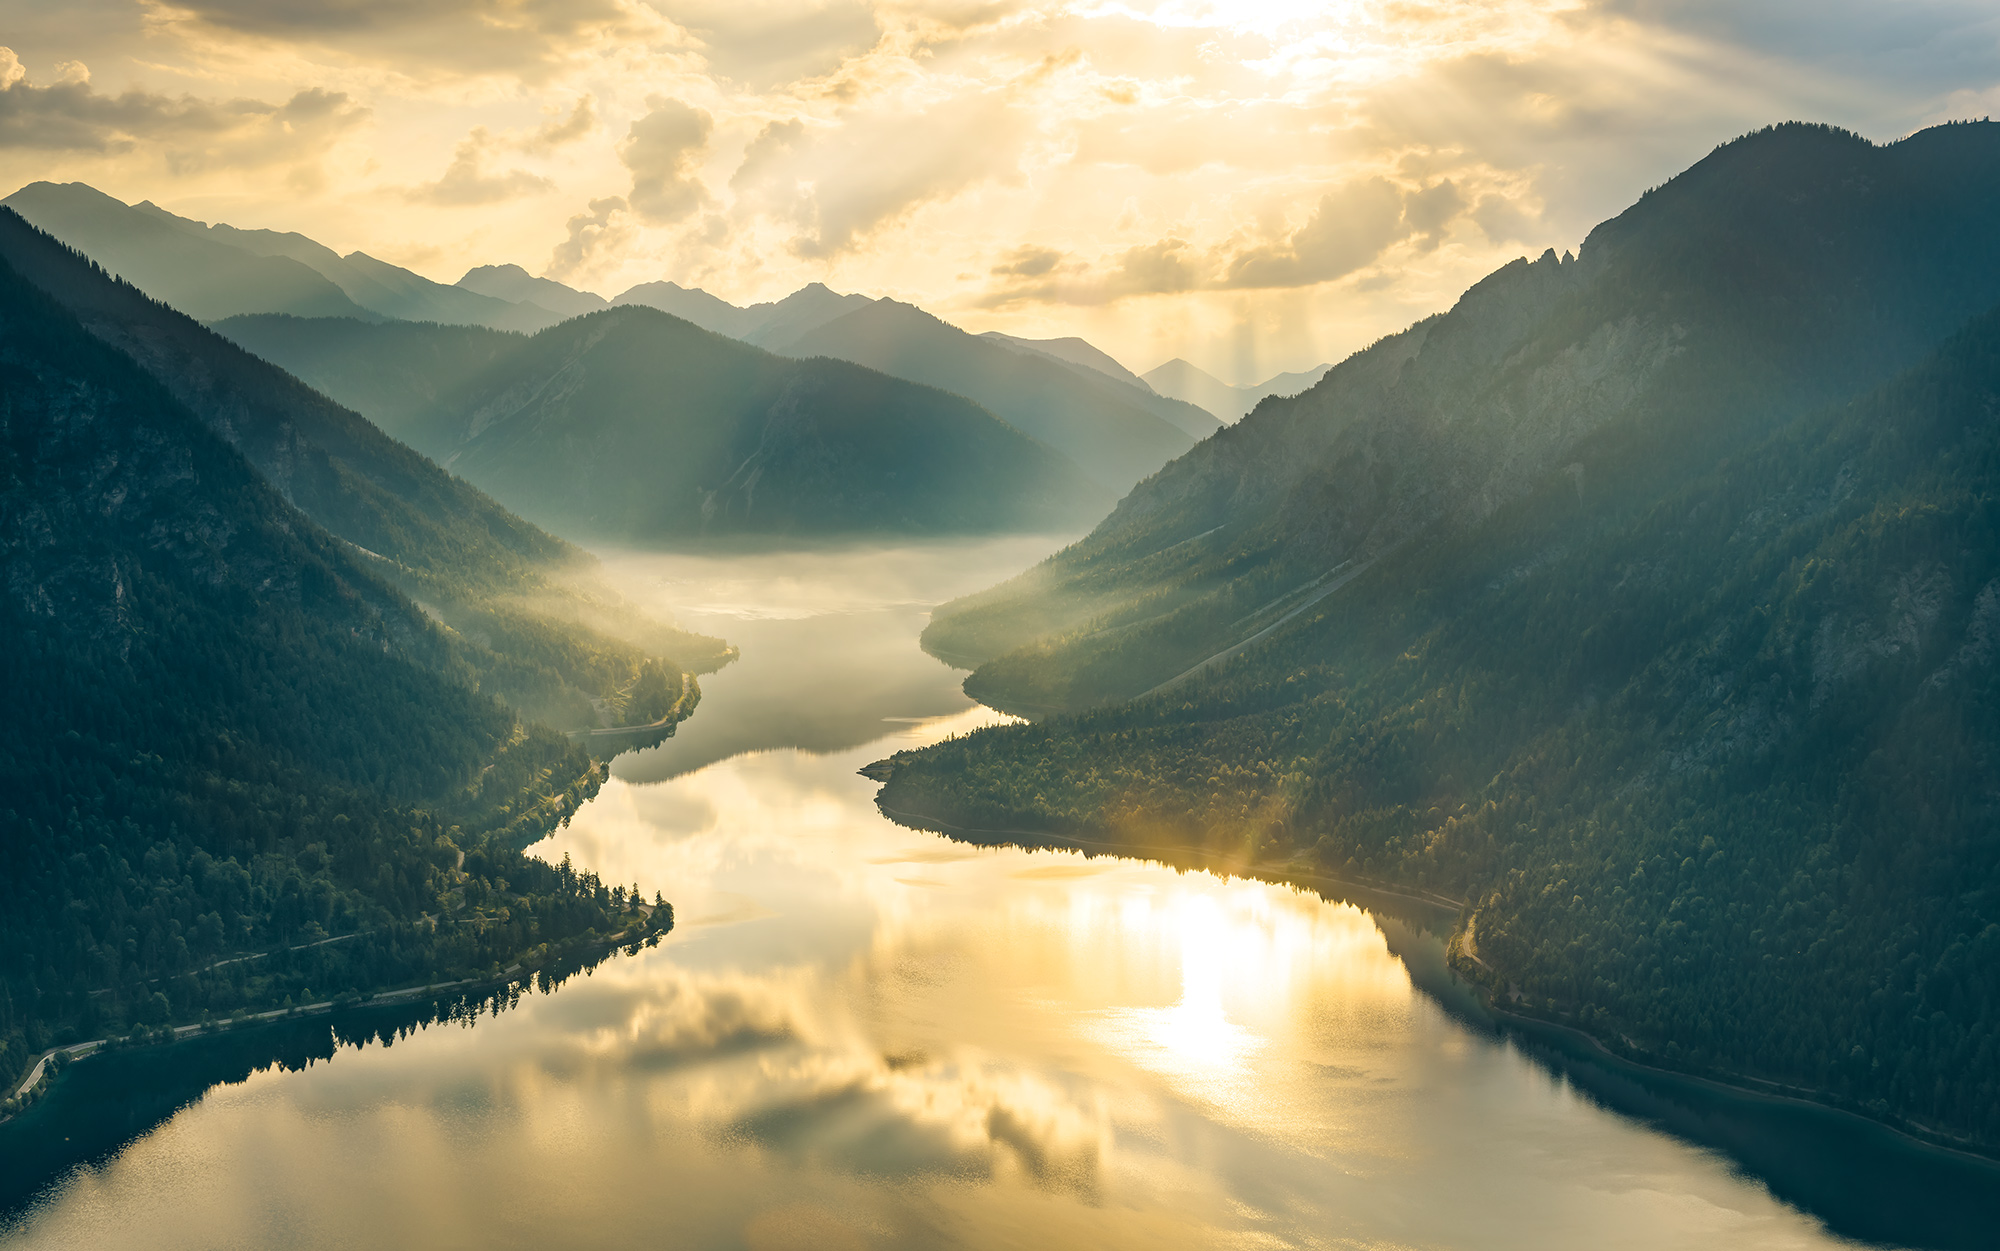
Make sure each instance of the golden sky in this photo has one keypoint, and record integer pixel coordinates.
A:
(1257, 185)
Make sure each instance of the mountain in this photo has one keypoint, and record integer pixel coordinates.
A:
(766, 325)
(226, 736)
(1076, 354)
(205, 278)
(1185, 381)
(692, 304)
(1644, 601)
(1071, 351)
(393, 373)
(212, 272)
(557, 638)
(1102, 425)
(511, 282)
(1105, 428)
(632, 424)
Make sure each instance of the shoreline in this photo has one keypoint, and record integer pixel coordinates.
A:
(1744, 1085)
(36, 1078)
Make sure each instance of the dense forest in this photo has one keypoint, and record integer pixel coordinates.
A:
(238, 767)
(1699, 717)
(539, 628)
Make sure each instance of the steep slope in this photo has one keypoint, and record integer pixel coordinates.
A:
(511, 282)
(1100, 424)
(1627, 602)
(634, 424)
(205, 278)
(1720, 781)
(438, 538)
(224, 733)
(1786, 270)
(392, 373)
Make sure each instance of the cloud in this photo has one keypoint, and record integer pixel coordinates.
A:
(661, 150)
(1030, 274)
(1350, 227)
(465, 181)
(766, 44)
(603, 229)
(186, 132)
(426, 39)
(582, 120)
(1028, 262)
(840, 183)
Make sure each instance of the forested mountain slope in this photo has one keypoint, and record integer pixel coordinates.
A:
(1790, 268)
(492, 575)
(393, 373)
(224, 734)
(1101, 424)
(633, 424)
(1679, 667)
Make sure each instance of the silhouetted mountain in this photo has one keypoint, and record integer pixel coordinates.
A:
(766, 325)
(511, 282)
(691, 304)
(1636, 600)
(1196, 422)
(206, 278)
(212, 272)
(1185, 381)
(1102, 425)
(1072, 351)
(634, 424)
(224, 733)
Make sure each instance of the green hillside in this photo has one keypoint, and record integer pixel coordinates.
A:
(1645, 601)
(227, 740)
(557, 636)
(393, 373)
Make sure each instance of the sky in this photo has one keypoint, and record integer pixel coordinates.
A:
(1256, 186)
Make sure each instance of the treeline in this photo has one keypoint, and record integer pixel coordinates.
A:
(1717, 768)
(132, 1089)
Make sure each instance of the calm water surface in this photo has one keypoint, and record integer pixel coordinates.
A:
(864, 1036)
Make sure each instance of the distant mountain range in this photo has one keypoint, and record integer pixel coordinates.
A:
(1185, 381)
(631, 424)
(358, 339)
(1645, 601)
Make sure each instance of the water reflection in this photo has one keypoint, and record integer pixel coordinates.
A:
(861, 1035)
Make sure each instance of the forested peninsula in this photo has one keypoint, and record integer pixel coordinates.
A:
(1647, 601)
(278, 688)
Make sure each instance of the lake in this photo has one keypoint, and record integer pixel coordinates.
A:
(860, 1035)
